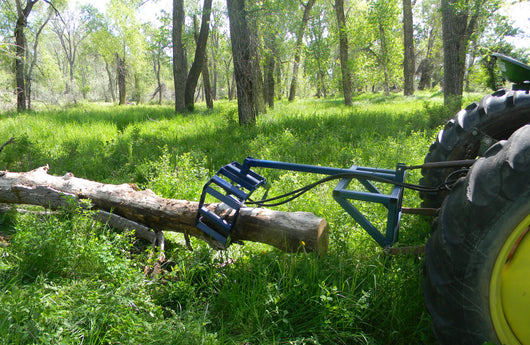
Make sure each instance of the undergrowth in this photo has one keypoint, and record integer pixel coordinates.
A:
(67, 279)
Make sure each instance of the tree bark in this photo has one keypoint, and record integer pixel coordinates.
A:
(458, 24)
(242, 57)
(180, 65)
(270, 62)
(205, 72)
(208, 94)
(343, 47)
(111, 82)
(426, 65)
(384, 58)
(20, 51)
(408, 42)
(200, 54)
(121, 69)
(298, 47)
(288, 231)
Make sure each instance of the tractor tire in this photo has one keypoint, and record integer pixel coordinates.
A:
(476, 270)
(471, 132)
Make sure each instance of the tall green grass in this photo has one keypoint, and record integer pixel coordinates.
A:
(66, 279)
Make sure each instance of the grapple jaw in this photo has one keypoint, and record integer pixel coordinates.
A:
(232, 185)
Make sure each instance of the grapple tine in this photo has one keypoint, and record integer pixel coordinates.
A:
(232, 185)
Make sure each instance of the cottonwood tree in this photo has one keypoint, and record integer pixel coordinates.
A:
(72, 30)
(180, 62)
(129, 54)
(429, 50)
(23, 10)
(217, 52)
(186, 82)
(32, 55)
(298, 47)
(459, 21)
(159, 39)
(343, 48)
(319, 49)
(25, 59)
(408, 51)
(200, 57)
(105, 44)
(383, 16)
(205, 71)
(243, 55)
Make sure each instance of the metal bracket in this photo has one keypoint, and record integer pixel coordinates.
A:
(392, 202)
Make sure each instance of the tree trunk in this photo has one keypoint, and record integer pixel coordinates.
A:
(33, 60)
(200, 54)
(157, 67)
(208, 94)
(408, 42)
(257, 83)
(215, 70)
(242, 57)
(284, 230)
(120, 66)
(343, 47)
(384, 59)
(270, 62)
(20, 52)
(111, 82)
(425, 69)
(180, 65)
(298, 47)
(231, 86)
(457, 27)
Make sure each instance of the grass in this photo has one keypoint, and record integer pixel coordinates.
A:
(66, 279)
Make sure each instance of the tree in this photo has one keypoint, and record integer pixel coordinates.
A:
(205, 72)
(298, 48)
(21, 47)
(73, 28)
(32, 56)
(343, 47)
(180, 64)
(159, 40)
(22, 77)
(200, 56)
(383, 16)
(459, 20)
(429, 44)
(129, 53)
(243, 55)
(408, 43)
(270, 63)
(105, 44)
(318, 59)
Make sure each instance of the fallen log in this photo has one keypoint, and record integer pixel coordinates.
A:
(288, 231)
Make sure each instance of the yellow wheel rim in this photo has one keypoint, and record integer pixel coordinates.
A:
(510, 288)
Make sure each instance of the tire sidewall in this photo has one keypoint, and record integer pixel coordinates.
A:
(478, 275)
(475, 221)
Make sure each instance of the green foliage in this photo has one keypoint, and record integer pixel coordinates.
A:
(67, 279)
